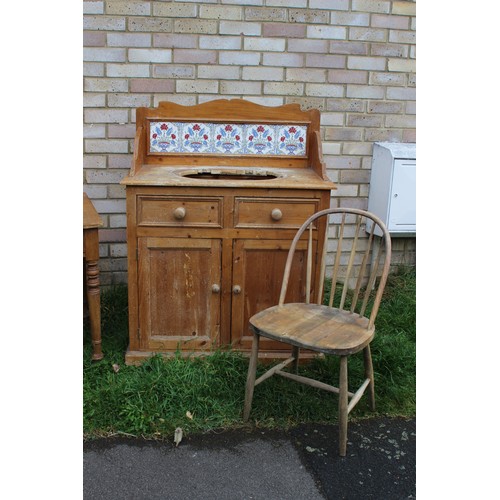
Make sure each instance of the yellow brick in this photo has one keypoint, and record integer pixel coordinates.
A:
(404, 65)
(221, 12)
(404, 8)
(128, 8)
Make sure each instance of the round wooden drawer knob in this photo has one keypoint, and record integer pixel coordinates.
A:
(180, 213)
(276, 214)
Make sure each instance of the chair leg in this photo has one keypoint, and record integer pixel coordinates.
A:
(343, 403)
(369, 375)
(295, 354)
(252, 368)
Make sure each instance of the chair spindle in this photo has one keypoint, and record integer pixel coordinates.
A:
(336, 265)
(322, 272)
(309, 265)
(350, 264)
(362, 271)
(373, 275)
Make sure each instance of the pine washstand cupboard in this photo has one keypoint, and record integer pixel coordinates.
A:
(215, 195)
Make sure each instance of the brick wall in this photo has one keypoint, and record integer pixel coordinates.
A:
(352, 59)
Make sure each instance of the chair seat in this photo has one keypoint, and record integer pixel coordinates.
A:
(311, 326)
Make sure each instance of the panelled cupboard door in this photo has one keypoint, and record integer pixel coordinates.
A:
(179, 293)
(258, 267)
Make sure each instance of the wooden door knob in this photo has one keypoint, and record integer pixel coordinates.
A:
(180, 213)
(276, 214)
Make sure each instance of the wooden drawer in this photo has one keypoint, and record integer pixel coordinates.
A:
(184, 211)
(273, 212)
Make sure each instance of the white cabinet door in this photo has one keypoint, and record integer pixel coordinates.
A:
(402, 213)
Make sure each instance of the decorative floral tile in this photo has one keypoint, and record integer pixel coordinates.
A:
(292, 140)
(196, 137)
(164, 137)
(260, 139)
(227, 138)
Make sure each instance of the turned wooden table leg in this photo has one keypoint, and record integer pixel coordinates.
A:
(91, 242)
(94, 302)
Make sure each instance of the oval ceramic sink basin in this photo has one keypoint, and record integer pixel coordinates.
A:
(217, 174)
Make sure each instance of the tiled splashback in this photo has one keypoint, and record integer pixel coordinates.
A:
(227, 138)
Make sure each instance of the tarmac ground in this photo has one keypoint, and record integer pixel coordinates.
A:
(251, 463)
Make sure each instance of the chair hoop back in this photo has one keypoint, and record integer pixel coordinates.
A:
(360, 259)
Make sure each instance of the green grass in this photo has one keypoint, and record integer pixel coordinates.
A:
(152, 399)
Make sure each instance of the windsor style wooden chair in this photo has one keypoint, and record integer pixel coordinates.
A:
(360, 265)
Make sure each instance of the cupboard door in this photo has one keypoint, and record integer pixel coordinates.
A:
(179, 293)
(258, 267)
(402, 204)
